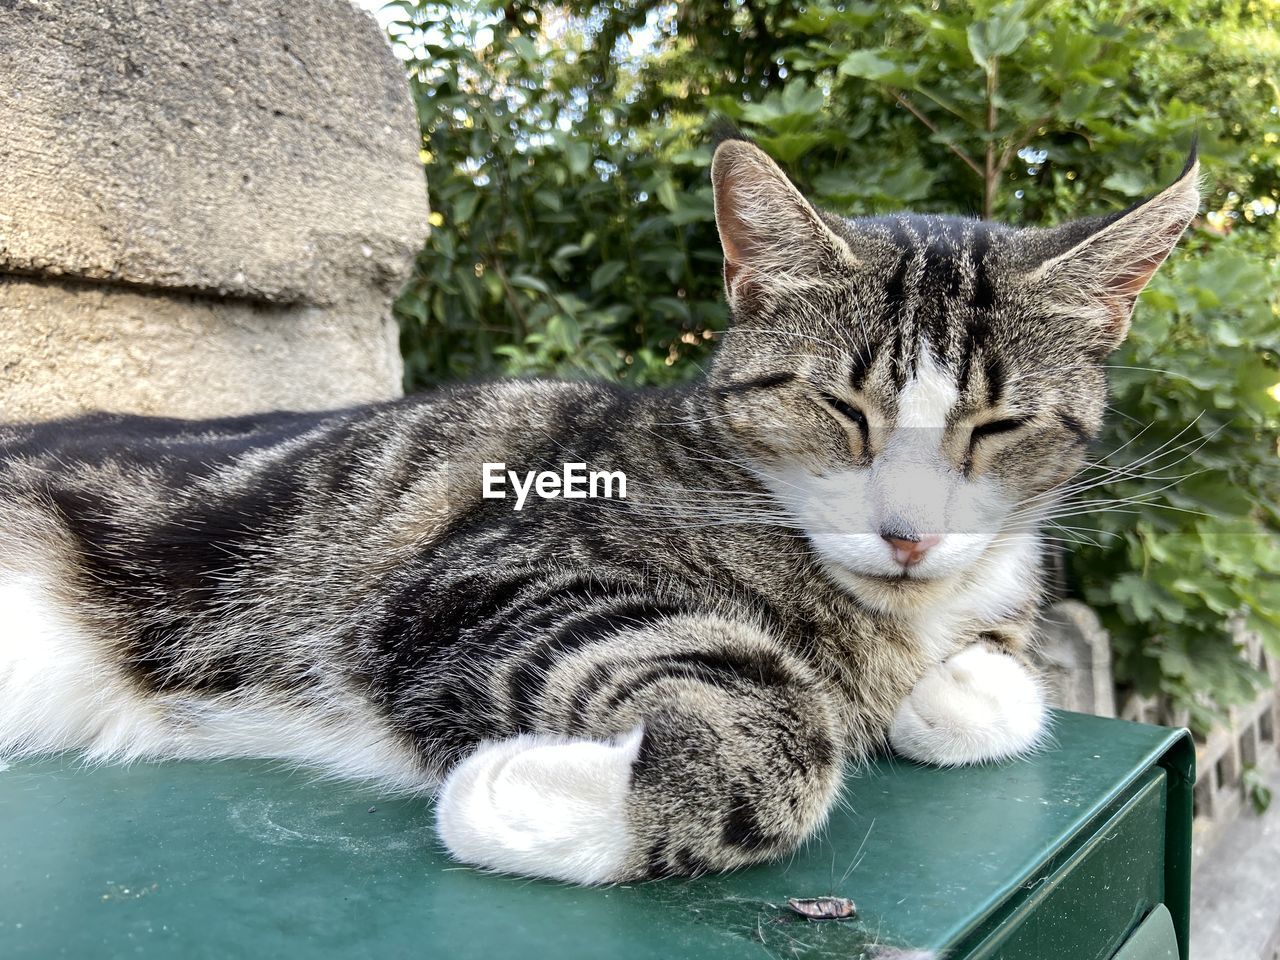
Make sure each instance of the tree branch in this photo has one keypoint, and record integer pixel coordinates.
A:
(991, 175)
(513, 298)
(915, 112)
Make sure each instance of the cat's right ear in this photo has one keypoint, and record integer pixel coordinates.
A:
(771, 235)
(1097, 278)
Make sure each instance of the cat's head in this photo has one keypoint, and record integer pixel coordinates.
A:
(915, 389)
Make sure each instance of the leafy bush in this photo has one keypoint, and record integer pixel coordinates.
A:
(586, 250)
(566, 151)
(1195, 415)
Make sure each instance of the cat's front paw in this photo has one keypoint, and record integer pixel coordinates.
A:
(977, 705)
(541, 806)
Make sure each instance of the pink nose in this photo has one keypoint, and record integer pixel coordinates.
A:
(909, 551)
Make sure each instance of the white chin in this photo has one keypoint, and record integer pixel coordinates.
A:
(905, 577)
(855, 557)
(881, 581)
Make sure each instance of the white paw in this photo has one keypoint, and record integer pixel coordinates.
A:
(541, 806)
(975, 706)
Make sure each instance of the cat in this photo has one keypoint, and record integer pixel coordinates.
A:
(828, 545)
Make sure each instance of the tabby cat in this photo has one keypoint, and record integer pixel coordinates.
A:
(828, 545)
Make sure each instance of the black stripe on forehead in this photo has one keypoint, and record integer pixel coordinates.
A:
(964, 366)
(994, 370)
(860, 366)
(983, 294)
(977, 335)
(947, 241)
(895, 296)
(942, 274)
(976, 341)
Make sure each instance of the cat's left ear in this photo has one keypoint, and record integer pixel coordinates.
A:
(772, 236)
(1098, 277)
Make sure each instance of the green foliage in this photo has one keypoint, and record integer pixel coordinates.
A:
(567, 161)
(566, 242)
(1256, 789)
(1190, 542)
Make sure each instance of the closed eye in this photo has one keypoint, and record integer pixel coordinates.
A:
(993, 428)
(846, 410)
(765, 382)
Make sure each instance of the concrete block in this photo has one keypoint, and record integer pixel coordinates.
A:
(205, 207)
(1073, 652)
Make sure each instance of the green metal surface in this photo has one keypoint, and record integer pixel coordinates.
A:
(245, 859)
(1153, 940)
(1179, 763)
(1096, 890)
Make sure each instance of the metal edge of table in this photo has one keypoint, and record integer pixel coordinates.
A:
(1179, 762)
(1175, 753)
(993, 935)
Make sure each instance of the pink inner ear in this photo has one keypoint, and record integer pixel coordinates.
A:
(737, 237)
(735, 233)
(1124, 285)
(1131, 277)
(1119, 310)
(765, 225)
(1120, 291)
(731, 270)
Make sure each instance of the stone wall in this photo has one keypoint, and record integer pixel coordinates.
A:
(205, 207)
(1073, 653)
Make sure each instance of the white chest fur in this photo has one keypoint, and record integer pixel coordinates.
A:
(1000, 585)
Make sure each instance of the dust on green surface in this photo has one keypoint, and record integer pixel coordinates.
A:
(245, 858)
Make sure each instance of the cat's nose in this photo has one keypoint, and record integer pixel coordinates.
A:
(909, 549)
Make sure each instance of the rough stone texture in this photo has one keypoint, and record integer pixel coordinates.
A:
(67, 347)
(205, 207)
(1074, 654)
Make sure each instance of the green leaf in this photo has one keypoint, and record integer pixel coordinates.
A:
(606, 273)
(666, 192)
(579, 157)
(1214, 593)
(996, 37)
(1078, 102)
(548, 199)
(1131, 183)
(1211, 493)
(870, 65)
(672, 307)
(525, 48)
(527, 282)
(799, 98)
(1256, 788)
(1145, 599)
(790, 147)
(797, 107)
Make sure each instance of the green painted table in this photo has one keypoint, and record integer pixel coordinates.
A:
(1061, 856)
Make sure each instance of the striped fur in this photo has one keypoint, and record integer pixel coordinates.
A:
(604, 690)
